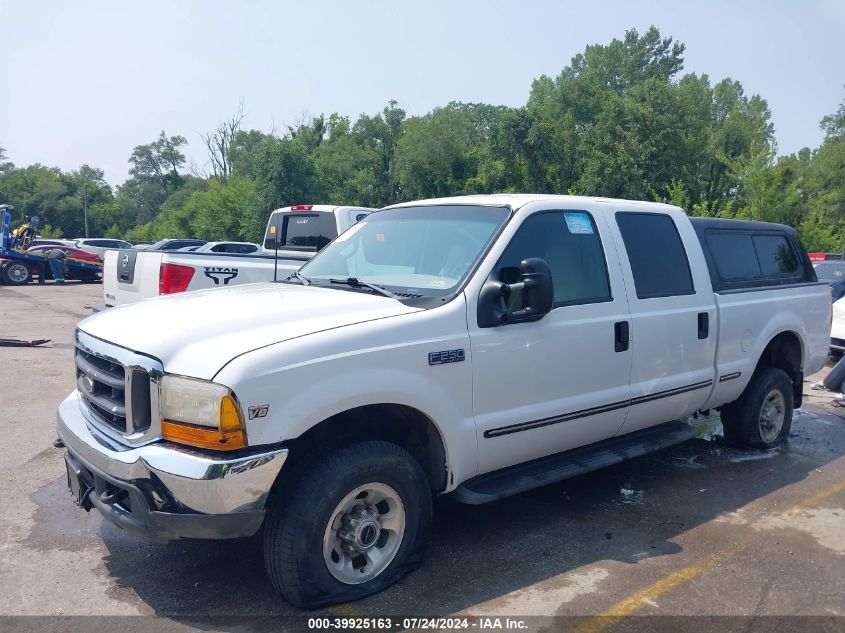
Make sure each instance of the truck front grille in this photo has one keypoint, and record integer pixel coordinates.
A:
(116, 395)
(102, 384)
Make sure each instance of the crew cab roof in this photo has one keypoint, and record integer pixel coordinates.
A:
(517, 200)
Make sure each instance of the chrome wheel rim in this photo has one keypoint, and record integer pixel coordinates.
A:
(364, 533)
(17, 272)
(772, 415)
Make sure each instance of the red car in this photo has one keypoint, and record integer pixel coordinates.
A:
(72, 253)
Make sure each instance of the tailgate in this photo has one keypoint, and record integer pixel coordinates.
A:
(216, 270)
(130, 275)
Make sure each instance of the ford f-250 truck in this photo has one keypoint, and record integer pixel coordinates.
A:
(478, 346)
(294, 234)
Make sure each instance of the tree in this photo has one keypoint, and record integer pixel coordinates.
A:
(220, 144)
(89, 176)
(284, 175)
(380, 134)
(221, 212)
(5, 165)
(346, 167)
(159, 162)
(824, 185)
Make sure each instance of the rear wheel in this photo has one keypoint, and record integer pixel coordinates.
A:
(762, 416)
(351, 526)
(16, 273)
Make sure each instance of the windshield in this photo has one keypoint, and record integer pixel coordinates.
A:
(830, 271)
(423, 251)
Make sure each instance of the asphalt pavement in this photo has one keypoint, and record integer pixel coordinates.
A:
(700, 529)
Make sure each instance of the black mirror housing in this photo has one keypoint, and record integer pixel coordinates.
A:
(537, 290)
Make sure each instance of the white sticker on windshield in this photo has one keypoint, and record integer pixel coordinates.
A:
(578, 223)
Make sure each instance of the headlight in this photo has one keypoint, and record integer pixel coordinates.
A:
(200, 413)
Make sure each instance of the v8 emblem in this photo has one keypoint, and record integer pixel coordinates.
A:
(259, 411)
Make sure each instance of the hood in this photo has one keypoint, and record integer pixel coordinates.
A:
(196, 333)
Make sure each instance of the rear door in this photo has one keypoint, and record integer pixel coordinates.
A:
(673, 316)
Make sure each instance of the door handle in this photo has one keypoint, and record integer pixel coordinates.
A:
(621, 336)
(703, 325)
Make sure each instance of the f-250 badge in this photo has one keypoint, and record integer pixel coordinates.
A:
(446, 356)
(259, 411)
(221, 274)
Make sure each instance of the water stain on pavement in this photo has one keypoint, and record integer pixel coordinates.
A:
(58, 523)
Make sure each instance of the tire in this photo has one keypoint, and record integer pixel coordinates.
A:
(762, 416)
(302, 532)
(16, 273)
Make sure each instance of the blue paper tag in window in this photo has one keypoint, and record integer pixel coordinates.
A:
(578, 223)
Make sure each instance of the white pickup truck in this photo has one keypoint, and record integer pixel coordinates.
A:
(477, 346)
(302, 230)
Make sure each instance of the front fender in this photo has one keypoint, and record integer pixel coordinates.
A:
(310, 379)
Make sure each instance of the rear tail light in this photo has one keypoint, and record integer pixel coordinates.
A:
(173, 278)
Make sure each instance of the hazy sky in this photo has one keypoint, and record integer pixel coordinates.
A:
(85, 82)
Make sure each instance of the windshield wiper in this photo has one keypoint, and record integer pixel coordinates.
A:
(299, 277)
(354, 282)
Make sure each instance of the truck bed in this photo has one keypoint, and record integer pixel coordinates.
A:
(130, 276)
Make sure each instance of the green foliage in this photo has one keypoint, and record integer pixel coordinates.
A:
(621, 119)
(218, 212)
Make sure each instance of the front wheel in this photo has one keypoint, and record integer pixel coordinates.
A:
(762, 416)
(355, 523)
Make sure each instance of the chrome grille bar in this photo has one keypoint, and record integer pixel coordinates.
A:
(118, 390)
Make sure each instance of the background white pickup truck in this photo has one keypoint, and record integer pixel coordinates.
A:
(478, 346)
(302, 230)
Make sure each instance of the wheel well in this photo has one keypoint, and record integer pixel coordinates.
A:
(785, 352)
(402, 425)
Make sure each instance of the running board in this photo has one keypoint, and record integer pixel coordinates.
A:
(578, 461)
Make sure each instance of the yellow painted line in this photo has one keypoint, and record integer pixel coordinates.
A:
(346, 610)
(637, 601)
(814, 500)
(633, 603)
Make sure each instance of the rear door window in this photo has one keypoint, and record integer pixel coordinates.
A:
(658, 260)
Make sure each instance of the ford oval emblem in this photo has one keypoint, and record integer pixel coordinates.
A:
(88, 384)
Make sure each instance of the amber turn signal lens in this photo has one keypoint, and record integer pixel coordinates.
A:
(230, 417)
(203, 438)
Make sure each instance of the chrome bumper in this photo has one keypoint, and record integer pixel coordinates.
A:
(168, 492)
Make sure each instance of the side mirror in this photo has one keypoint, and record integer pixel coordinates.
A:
(537, 296)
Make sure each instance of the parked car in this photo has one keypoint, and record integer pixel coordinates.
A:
(53, 242)
(174, 244)
(72, 254)
(99, 246)
(476, 346)
(242, 248)
(302, 229)
(832, 273)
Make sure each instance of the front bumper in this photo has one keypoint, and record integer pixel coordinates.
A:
(163, 491)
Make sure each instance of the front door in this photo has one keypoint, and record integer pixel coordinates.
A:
(563, 381)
